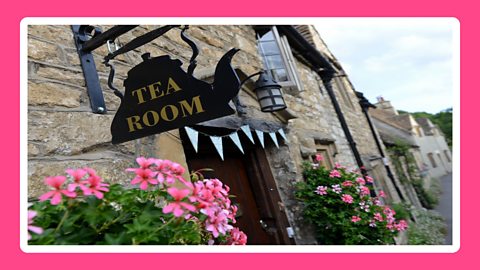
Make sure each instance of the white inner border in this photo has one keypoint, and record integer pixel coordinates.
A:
(454, 24)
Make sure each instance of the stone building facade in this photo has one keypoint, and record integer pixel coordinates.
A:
(433, 156)
(64, 133)
(373, 155)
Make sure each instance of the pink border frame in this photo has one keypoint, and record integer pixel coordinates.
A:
(12, 256)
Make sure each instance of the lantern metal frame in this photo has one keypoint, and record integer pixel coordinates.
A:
(267, 89)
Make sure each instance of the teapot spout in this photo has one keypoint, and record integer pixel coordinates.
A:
(226, 79)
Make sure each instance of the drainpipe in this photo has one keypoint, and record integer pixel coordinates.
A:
(365, 104)
(327, 81)
(325, 70)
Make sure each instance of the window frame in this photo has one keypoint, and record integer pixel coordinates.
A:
(433, 162)
(287, 58)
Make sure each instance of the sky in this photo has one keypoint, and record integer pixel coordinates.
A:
(408, 61)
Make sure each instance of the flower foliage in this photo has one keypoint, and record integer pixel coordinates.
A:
(339, 205)
(159, 208)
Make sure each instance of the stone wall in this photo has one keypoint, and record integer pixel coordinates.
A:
(63, 132)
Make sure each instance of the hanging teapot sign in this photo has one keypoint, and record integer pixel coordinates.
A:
(161, 96)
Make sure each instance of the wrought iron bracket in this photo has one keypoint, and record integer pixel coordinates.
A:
(81, 34)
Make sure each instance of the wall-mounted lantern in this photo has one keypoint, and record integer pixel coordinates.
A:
(268, 92)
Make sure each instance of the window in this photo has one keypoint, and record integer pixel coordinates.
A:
(278, 59)
(432, 160)
(447, 156)
(327, 150)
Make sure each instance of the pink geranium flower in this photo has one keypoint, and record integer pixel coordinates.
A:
(145, 163)
(364, 191)
(318, 157)
(401, 225)
(347, 184)
(337, 189)
(378, 217)
(356, 219)
(55, 195)
(35, 229)
(321, 190)
(144, 177)
(335, 173)
(369, 179)
(169, 171)
(218, 223)
(178, 207)
(347, 198)
(77, 176)
(95, 186)
(381, 193)
(237, 237)
(360, 181)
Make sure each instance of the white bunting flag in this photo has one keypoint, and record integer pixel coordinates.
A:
(282, 133)
(236, 140)
(246, 130)
(217, 142)
(260, 137)
(193, 136)
(274, 138)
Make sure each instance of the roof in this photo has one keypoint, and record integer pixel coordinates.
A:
(392, 134)
(404, 121)
(388, 118)
(426, 125)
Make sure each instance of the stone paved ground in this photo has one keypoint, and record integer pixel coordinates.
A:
(444, 206)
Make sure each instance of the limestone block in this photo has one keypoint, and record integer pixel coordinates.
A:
(207, 37)
(111, 170)
(64, 75)
(56, 34)
(68, 133)
(44, 51)
(246, 45)
(53, 94)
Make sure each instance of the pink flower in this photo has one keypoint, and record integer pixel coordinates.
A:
(347, 184)
(218, 223)
(401, 225)
(356, 219)
(381, 194)
(339, 166)
(378, 217)
(360, 181)
(169, 171)
(95, 186)
(335, 173)
(35, 229)
(145, 163)
(77, 176)
(364, 191)
(369, 179)
(56, 195)
(178, 207)
(321, 190)
(144, 177)
(337, 189)
(318, 157)
(347, 198)
(237, 237)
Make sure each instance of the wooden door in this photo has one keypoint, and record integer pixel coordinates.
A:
(232, 173)
(250, 180)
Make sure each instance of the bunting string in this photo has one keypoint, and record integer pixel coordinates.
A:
(246, 129)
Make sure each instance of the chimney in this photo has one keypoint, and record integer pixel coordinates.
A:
(385, 106)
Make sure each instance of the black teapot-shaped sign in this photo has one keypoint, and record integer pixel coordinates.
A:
(160, 96)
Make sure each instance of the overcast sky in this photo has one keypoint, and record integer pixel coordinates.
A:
(407, 61)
